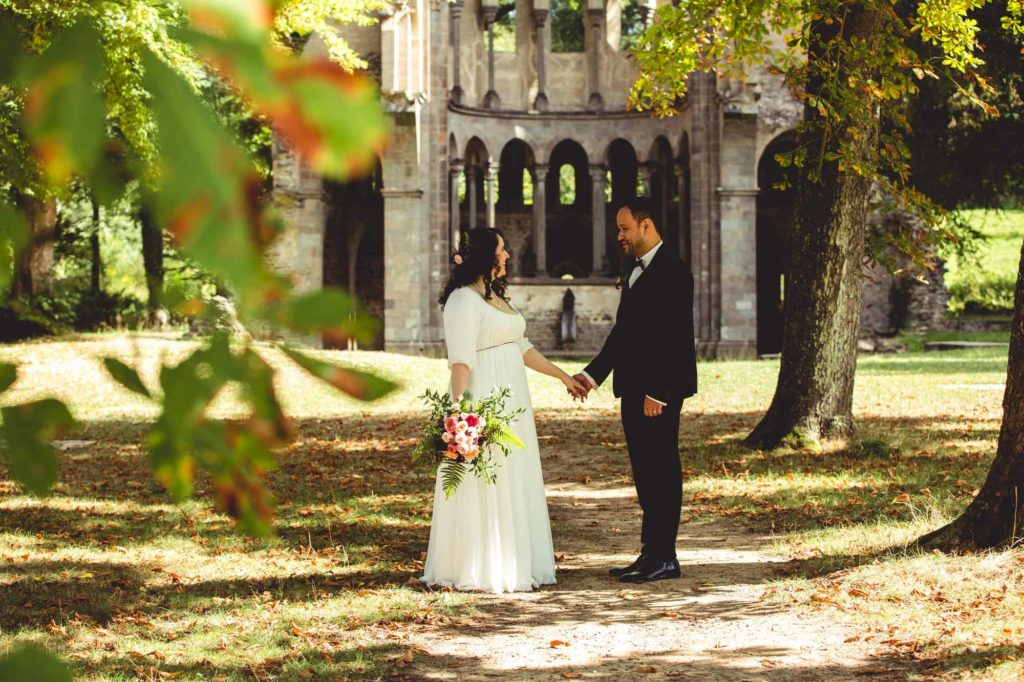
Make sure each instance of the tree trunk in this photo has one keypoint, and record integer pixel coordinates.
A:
(94, 244)
(153, 262)
(814, 395)
(994, 518)
(33, 266)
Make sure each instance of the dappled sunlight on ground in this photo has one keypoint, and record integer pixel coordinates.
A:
(125, 584)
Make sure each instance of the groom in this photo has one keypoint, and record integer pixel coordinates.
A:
(651, 349)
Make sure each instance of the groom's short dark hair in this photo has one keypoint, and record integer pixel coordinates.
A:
(641, 208)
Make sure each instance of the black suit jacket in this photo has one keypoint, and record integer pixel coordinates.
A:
(651, 345)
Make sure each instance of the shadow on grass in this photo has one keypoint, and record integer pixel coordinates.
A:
(339, 662)
(741, 663)
(348, 489)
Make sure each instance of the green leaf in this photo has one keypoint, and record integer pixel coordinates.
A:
(8, 375)
(28, 429)
(64, 112)
(329, 311)
(29, 662)
(126, 376)
(206, 189)
(451, 477)
(503, 435)
(356, 383)
(13, 237)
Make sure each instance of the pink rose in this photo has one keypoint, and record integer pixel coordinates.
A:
(446, 437)
(449, 424)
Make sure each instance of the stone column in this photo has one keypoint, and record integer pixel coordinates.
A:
(737, 200)
(540, 17)
(457, 94)
(490, 11)
(471, 170)
(492, 185)
(682, 169)
(705, 140)
(540, 218)
(597, 178)
(666, 202)
(455, 169)
(595, 11)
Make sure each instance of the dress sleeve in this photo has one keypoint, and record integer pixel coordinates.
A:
(524, 344)
(461, 324)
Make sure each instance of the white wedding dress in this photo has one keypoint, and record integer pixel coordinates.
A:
(495, 538)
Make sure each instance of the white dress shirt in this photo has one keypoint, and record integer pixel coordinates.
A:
(633, 277)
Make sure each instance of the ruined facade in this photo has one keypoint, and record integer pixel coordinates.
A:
(512, 113)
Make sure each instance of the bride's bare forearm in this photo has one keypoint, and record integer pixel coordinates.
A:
(538, 363)
(460, 379)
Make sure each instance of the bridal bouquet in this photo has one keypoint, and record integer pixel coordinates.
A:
(466, 436)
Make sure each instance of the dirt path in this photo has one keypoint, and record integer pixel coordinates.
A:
(712, 624)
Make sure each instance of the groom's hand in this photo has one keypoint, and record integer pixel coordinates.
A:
(587, 386)
(652, 408)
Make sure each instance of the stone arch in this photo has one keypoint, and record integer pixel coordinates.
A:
(473, 210)
(773, 223)
(623, 167)
(662, 187)
(353, 253)
(513, 208)
(569, 235)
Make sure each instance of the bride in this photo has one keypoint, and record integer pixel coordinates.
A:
(494, 538)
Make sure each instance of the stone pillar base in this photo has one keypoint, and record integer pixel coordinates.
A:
(735, 350)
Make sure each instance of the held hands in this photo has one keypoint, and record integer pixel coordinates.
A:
(576, 386)
(583, 384)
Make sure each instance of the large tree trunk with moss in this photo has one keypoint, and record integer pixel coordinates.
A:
(814, 395)
(994, 517)
(33, 267)
(153, 263)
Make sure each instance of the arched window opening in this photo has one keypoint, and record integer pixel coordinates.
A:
(505, 27)
(567, 185)
(567, 25)
(632, 24)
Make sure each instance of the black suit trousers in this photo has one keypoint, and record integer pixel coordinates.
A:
(653, 444)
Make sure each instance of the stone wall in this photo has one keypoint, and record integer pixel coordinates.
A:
(540, 302)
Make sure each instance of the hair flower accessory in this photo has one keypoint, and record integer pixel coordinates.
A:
(458, 259)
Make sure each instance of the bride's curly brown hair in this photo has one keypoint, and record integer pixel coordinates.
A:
(477, 251)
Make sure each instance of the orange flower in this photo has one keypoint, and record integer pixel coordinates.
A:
(471, 455)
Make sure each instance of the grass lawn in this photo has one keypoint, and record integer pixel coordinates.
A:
(125, 585)
(986, 280)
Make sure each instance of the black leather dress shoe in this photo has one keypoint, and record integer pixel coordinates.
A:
(651, 571)
(628, 569)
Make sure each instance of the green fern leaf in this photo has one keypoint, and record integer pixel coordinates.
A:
(451, 477)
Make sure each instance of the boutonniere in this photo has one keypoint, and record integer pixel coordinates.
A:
(619, 282)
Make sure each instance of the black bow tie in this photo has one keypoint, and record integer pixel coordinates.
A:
(639, 264)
